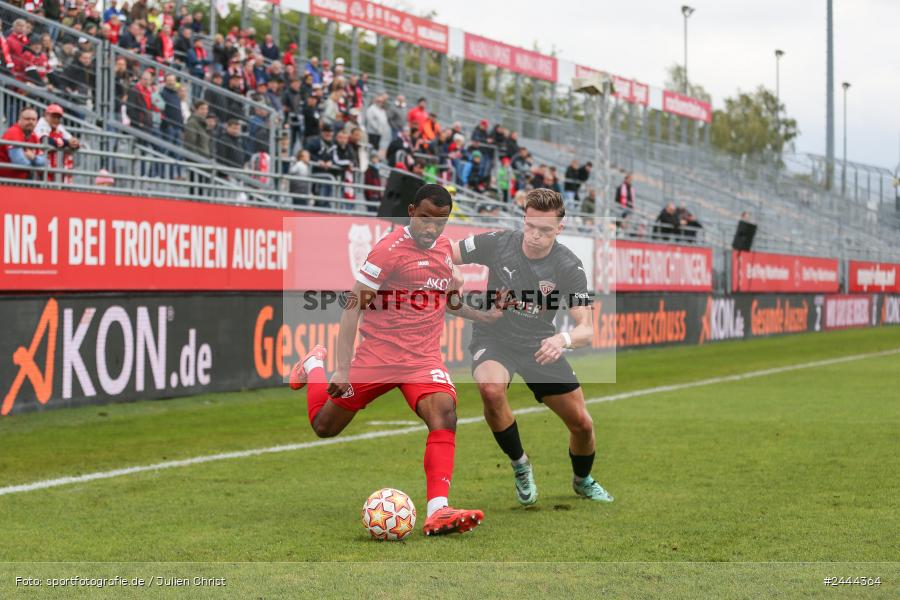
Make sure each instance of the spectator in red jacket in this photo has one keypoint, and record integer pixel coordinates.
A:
(34, 62)
(17, 41)
(418, 114)
(6, 54)
(289, 59)
(22, 131)
(115, 29)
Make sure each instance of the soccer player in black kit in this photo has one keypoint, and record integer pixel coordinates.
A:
(541, 275)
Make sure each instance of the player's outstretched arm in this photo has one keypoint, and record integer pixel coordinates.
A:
(458, 306)
(457, 257)
(583, 332)
(340, 380)
(580, 335)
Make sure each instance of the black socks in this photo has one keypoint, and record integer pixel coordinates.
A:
(509, 442)
(581, 465)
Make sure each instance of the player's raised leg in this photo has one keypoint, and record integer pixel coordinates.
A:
(438, 411)
(327, 418)
(492, 379)
(571, 409)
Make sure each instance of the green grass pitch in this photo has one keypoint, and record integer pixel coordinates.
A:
(754, 488)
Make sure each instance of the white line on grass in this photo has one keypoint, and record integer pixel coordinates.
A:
(51, 483)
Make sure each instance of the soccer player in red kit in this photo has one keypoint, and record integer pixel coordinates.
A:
(403, 286)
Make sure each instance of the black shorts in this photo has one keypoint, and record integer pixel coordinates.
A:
(543, 380)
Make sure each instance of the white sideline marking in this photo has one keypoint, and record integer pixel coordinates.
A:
(50, 483)
(392, 422)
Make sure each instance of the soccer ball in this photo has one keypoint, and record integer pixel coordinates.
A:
(389, 514)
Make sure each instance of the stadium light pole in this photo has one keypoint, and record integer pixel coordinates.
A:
(600, 87)
(778, 55)
(829, 98)
(846, 87)
(687, 11)
(897, 187)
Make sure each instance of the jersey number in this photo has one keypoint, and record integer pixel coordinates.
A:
(441, 376)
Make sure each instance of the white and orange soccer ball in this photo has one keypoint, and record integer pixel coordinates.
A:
(389, 514)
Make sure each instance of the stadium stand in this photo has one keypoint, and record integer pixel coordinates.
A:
(129, 86)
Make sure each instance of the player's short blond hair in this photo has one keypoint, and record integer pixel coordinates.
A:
(546, 200)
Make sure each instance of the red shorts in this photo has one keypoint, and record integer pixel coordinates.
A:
(366, 384)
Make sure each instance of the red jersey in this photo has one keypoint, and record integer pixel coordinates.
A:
(15, 134)
(416, 116)
(6, 54)
(404, 326)
(114, 31)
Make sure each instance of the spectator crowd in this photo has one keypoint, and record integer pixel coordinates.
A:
(234, 97)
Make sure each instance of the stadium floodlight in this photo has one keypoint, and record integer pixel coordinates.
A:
(687, 11)
(778, 55)
(600, 87)
(829, 97)
(846, 87)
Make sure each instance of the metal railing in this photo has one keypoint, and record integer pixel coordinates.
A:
(130, 165)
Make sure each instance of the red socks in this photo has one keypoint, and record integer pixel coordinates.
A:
(316, 394)
(439, 452)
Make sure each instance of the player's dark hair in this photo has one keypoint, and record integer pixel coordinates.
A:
(437, 194)
(545, 200)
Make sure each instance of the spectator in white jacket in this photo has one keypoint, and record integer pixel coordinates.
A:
(377, 125)
(300, 189)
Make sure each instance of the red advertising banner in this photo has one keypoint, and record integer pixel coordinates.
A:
(874, 277)
(843, 312)
(336, 10)
(685, 106)
(55, 241)
(334, 248)
(763, 272)
(517, 60)
(641, 93)
(385, 21)
(645, 267)
(624, 88)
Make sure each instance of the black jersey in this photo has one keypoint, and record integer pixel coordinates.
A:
(540, 286)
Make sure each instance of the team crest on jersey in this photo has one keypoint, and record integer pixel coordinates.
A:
(448, 260)
(348, 393)
(546, 287)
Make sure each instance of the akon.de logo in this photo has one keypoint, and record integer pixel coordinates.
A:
(28, 368)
